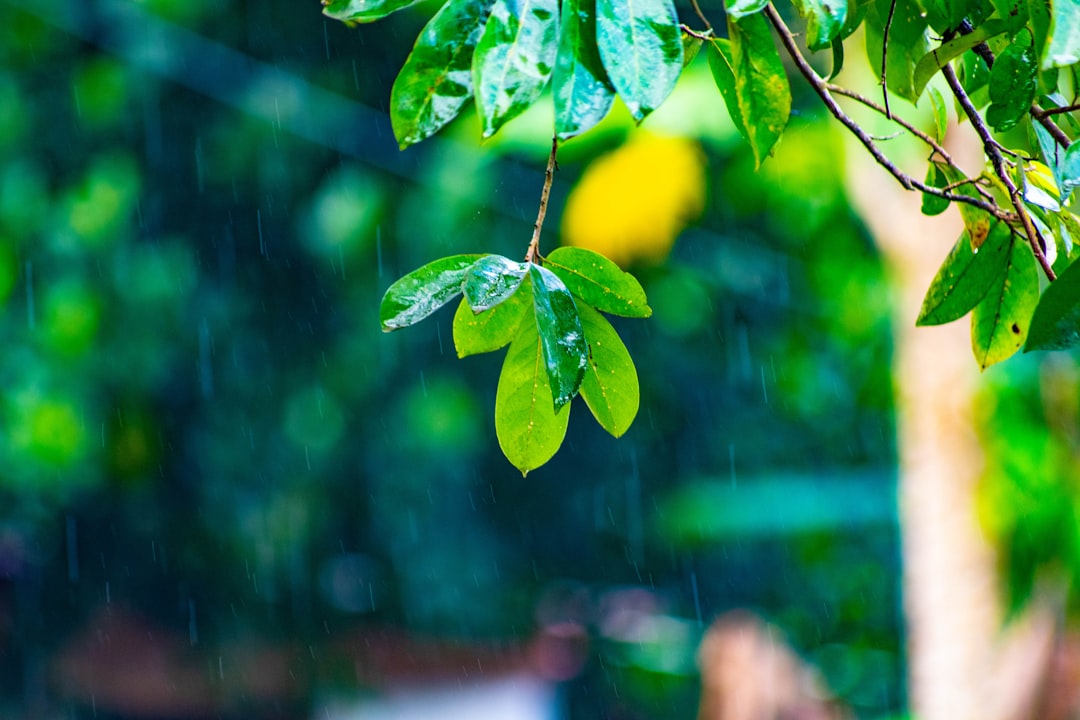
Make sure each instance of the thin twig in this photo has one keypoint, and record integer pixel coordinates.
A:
(1040, 113)
(840, 90)
(885, 58)
(533, 253)
(703, 36)
(821, 88)
(697, 9)
(1035, 239)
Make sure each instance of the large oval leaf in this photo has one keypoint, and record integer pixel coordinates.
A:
(1013, 83)
(1065, 36)
(423, 291)
(583, 93)
(598, 281)
(436, 81)
(491, 280)
(1000, 323)
(1056, 323)
(966, 277)
(762, 94)
(610, 387)
(514, 59)
(930, 63)
(529, 428)
(642, 51)
(492, 329)
(565, 350)
(362, 11)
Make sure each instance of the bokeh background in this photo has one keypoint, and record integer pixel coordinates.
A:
(224, 493)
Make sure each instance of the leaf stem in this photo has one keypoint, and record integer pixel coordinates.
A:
(992, 149)
(532, 255)
(822, 89)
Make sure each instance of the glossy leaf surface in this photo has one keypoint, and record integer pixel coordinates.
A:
(599, 282)
(514, 59)
(1013, 83)
(423, 291)
(583, 93)
(492, 329)
(932, 62)
(723, 72)
(1056, 323)
(610, 387)
(491, 280)
(932, 204)
(941, 113)
(436, 81)
(1000, 323)
(641, 48)
(363, 10)
(561, 337)
(527, 425)
(965, 277)
(1065, 34)
(908, 42)
(824, 20)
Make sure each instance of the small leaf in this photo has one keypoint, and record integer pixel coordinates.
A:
(741, 8)
(1065, 34)
(436, 81)
(610, 387)
(908, 41)
(1056, 323)
(762, 93)
(1000, 323)
(491, 280)
(1038, 186)
(1040, 14)
(363, 11)
(837, 58)
(977, 221)
(1013, 83)
(941, 114)
(565, 350)
(529, 428)
(598, 281)
(723, 72)
(423, 291)
(491, 329)
(824, 20)
(583, 93)
(691, 46)
(514, 59)
(932, 204)
(1070, 171)
(965, 277)
(930, 63)
(641, 47)
(1054, 157)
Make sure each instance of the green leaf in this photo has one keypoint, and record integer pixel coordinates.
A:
(1013, 83)
(762, 93)
(1056, 323)
(932, 204)
(1013, 12)
(363, 11)
(945, 15)
(491, 280)
(598, 281)
(491, 329)
(529, 428)
(977, 222)
(641, 47)
(966, 277)
(610, 387)
(691, 46)
(723, 72)
(824, 20)
(1065, 35)
(514, 59)
(908, 41)
(436, 81)
(941, 114)
(1000, 323)
(583, 93)
(930, 63)
(837, 58)
(1054, 156)
(1040, 13)
(423, 291)
(1070, 171)
(565, 350)
(741, 8)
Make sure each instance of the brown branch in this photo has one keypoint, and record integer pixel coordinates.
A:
(697, 9)
(822, 89)
(934, 145)
(993, 151)
(885, 57)
(1040, 113)
(533, 253)
(703, 36)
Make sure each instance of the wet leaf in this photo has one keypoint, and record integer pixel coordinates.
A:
(824, 20)
(1056, 323)
(423, 291)
(932, 204)
(941, 114)
(1000, 322)
(514, 59)
(598, 281)
(491, 280)
(762, 94)
(641, 48)
(1013, 83)
(559, 326)
(720, 64)
(908, 41)
(1065, 34)
(492, 329)
(610, 387)
(965, 277)
(931, 63)
(583, 93)
(436, 81)
(527, 425)
(363, 11)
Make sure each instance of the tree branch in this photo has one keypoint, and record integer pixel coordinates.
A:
(1039, 114)
(822, 89)
(885, 57)
(533, 253)
(1038, 244)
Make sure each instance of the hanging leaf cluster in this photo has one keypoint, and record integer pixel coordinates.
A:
(560, 343)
